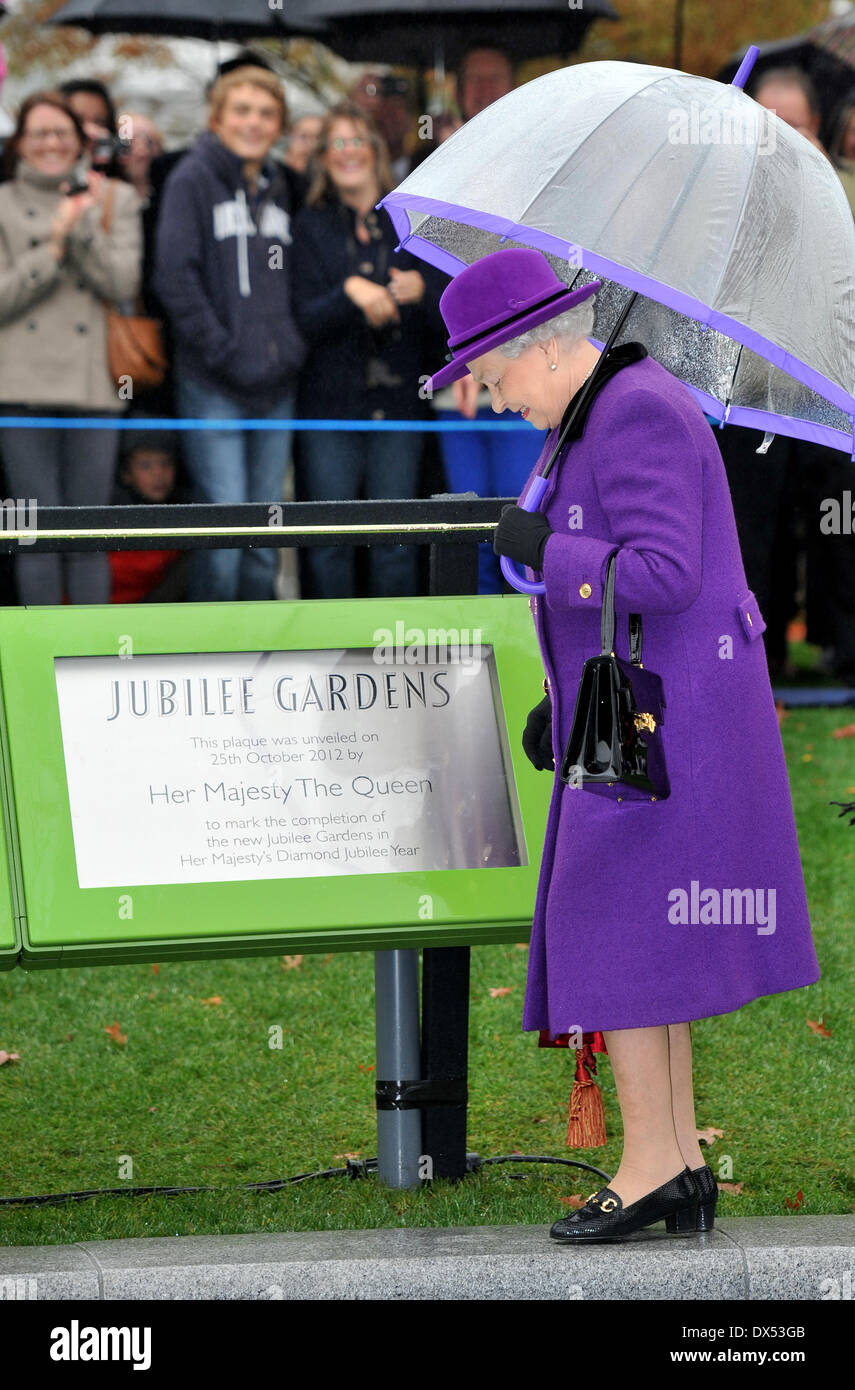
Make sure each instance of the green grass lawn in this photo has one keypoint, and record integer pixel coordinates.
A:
(196, 1096)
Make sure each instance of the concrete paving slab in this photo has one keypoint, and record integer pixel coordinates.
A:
(796, 1257)
(743, 1258)
(48, 1272)
(474, 1263)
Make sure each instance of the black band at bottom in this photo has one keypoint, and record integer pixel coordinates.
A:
(419, 1095)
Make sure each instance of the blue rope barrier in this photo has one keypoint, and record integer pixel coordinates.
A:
(124, 422)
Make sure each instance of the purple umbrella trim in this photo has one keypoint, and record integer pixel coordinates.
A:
(396, 205)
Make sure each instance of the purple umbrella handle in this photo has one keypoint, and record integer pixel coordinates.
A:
(509, 569)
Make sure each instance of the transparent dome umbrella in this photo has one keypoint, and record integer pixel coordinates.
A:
(729, 228)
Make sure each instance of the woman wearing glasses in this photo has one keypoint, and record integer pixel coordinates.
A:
(364, 312)
(59, 269)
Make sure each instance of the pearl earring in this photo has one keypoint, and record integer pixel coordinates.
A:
(553, 366)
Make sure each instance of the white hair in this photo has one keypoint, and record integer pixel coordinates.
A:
(571, 327)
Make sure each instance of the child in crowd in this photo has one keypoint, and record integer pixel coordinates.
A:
(148, 475)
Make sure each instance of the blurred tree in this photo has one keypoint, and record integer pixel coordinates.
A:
(30, 44)
(645, 34)
(711, 32)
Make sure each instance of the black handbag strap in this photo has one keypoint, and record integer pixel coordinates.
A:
(607, 618)
(635, 638)
(607, 621)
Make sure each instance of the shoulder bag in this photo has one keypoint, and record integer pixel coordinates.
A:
(135, 345)
(615, 746)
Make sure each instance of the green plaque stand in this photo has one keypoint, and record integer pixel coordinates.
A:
(63, 924)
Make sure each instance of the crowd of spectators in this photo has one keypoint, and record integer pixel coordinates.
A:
(282, 297)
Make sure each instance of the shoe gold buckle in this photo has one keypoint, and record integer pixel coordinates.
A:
(607, 1205)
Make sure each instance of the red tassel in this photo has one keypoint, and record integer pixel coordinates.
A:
(595, 1041)
(586, 1124)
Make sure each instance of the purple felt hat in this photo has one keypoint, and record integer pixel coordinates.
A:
(497, 298)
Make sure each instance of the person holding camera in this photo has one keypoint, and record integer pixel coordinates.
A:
(59, 270)
(92, 104)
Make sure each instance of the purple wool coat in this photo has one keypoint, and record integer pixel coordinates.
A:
(615, 943)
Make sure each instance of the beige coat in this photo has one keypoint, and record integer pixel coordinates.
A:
(53, 348)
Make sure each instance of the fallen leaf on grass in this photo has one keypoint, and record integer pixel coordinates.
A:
(734, 1187)
(845, 731)
(155, 970)
(818, 1028)
(347, 1155)
(800, 1196)
(781, 711)
(498, 993)
(152, 1109)
(521, 946)
(362, 1066)
(542, 1120)
(116, 1034)
(709, 1136)
(9, 1057)
(326, 960)
(291, 962)
(214, 999)
(574, 1201)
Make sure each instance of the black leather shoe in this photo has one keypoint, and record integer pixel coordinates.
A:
(707, 1196)
(604, 1216)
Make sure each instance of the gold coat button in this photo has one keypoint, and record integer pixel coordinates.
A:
(378, 415)
(586, 591)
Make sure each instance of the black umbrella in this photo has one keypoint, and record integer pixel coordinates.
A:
(203, 19)
(825, 53)
(414, 34)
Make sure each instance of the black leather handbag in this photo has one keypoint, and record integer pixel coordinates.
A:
(615, 746)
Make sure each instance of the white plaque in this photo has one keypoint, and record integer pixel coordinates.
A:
(226, 766)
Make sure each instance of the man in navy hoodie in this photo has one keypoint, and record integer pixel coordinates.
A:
(222, 273)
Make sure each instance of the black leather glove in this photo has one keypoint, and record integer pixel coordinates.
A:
(537, 736)
(522, 536)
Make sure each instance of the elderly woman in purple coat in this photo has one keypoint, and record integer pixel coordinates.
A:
(634, 932)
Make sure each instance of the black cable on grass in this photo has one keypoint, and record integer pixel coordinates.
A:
(55, 1198)
(356, 1168)
(537, 1158)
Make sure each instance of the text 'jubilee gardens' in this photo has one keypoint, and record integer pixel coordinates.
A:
(227, 695)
